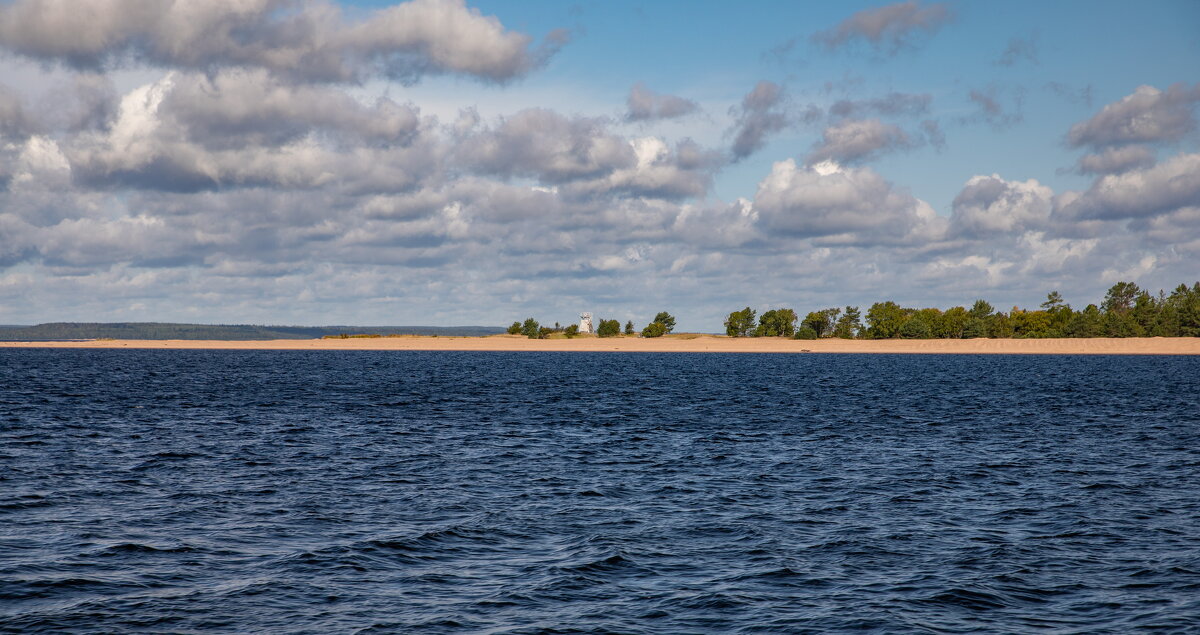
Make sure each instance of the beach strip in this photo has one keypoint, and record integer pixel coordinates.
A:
(676, 343)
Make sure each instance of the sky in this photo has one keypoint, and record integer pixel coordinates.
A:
(437, 162)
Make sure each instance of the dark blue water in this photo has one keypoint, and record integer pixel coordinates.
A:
(188, 491)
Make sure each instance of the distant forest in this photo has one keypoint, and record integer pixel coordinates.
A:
(1125, 311)
(171, 331)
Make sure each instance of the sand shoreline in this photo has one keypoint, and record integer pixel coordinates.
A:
(676, 344)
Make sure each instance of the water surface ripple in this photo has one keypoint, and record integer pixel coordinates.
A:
(318, 492)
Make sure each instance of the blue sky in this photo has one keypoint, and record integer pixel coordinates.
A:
(442, 162)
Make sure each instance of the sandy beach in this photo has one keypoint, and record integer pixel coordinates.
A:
(680, 343)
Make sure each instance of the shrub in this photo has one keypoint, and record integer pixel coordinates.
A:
(531, 328)
(806, 333)
(608, 328)
(654, 329)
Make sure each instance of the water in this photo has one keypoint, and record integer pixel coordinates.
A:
(319, 492)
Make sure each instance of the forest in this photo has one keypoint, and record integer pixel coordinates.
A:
(1125, 311)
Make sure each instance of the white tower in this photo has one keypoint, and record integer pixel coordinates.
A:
(585, 323)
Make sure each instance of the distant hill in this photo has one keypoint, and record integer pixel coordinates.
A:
(172, 331)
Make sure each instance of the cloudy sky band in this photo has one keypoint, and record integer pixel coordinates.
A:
(428, 162)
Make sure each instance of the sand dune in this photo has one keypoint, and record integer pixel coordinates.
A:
(682, 343)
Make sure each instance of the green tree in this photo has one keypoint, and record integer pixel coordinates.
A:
(1053, 301)
(1185, 306)
(1086, 323)
(740, 323)
(1120, 297)
(571, 331)
(916, 328)
(1121, 324)
(544, 332)
(884, 320)
(654, 329)
(629, 327)
(981, 310)
(1145, 314)
(608, 328)
(1059, 312)
(805, 333)
(954, 322)
(933, 319)
(849, 325)
(1030, 324)
(515, 329)
(665, 319)
(975, 327)
(530, 328)
(822, 321)
(1000, 326)
(776, 323)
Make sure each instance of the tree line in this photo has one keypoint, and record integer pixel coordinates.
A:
(1126, 311)
(662, 324)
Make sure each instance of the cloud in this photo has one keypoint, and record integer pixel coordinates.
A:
(647, 105)
(87, 102)
(246, 186)
(1148, 115)
(1020, 49)
(659, 172)
(759, 116)
(1162, 188)
(41, 164)
(252, 108)
(186, 133)
(16, 122)
(547, 146)
(933, 134)
(858, 140)
(1116, 160)
(891, 104)
(718, 225)
(310, 42)
(992, 110)
(888, 28)
(989, 205)
(842, 205)
(1073, 95)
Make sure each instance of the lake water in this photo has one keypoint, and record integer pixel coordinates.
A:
(320, 492)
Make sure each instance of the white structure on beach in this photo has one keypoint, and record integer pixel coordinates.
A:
(585, 323)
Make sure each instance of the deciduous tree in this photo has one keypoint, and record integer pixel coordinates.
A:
(740, 323)
(821, 321)
(654, 329)
(776, 323)
(608, 328)
(884, 319)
